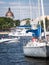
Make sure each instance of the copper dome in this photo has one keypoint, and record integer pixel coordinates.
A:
(9, 13)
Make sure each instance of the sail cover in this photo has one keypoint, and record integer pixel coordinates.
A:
(37, 32)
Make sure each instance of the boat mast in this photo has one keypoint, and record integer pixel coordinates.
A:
(39, 17)
(20, 9)
(30, 9)
(43, 18)
(39, 8)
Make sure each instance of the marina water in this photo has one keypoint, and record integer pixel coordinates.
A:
(11, 53)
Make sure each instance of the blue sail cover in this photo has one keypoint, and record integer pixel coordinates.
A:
(37, 32)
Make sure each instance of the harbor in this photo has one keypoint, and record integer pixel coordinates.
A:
(11, 53)
(24, 32)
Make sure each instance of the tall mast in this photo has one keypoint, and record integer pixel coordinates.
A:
(20, 9)
(39, 8)
(30, 9)
(39, 17)
(43, 18)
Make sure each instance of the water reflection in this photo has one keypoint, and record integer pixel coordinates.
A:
(37, 61)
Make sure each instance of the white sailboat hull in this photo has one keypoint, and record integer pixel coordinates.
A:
(36, 51)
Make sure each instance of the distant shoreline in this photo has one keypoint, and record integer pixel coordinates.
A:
(4, 32)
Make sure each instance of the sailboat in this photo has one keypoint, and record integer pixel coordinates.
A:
(37, 47)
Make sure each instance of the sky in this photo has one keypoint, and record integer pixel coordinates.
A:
(23, 8)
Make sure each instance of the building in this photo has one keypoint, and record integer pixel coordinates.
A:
(9, 13)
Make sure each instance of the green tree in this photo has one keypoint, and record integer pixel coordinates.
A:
(46, 22)
(6, 23)
(17, 22)
(41, 23)
(28, 21)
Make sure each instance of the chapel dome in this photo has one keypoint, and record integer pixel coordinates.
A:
(9, 13)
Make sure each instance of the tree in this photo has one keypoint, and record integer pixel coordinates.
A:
(17, 22)
(47, 23)
(6, 23)
(28, 21)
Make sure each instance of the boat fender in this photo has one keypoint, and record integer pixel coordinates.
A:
(33, 39)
